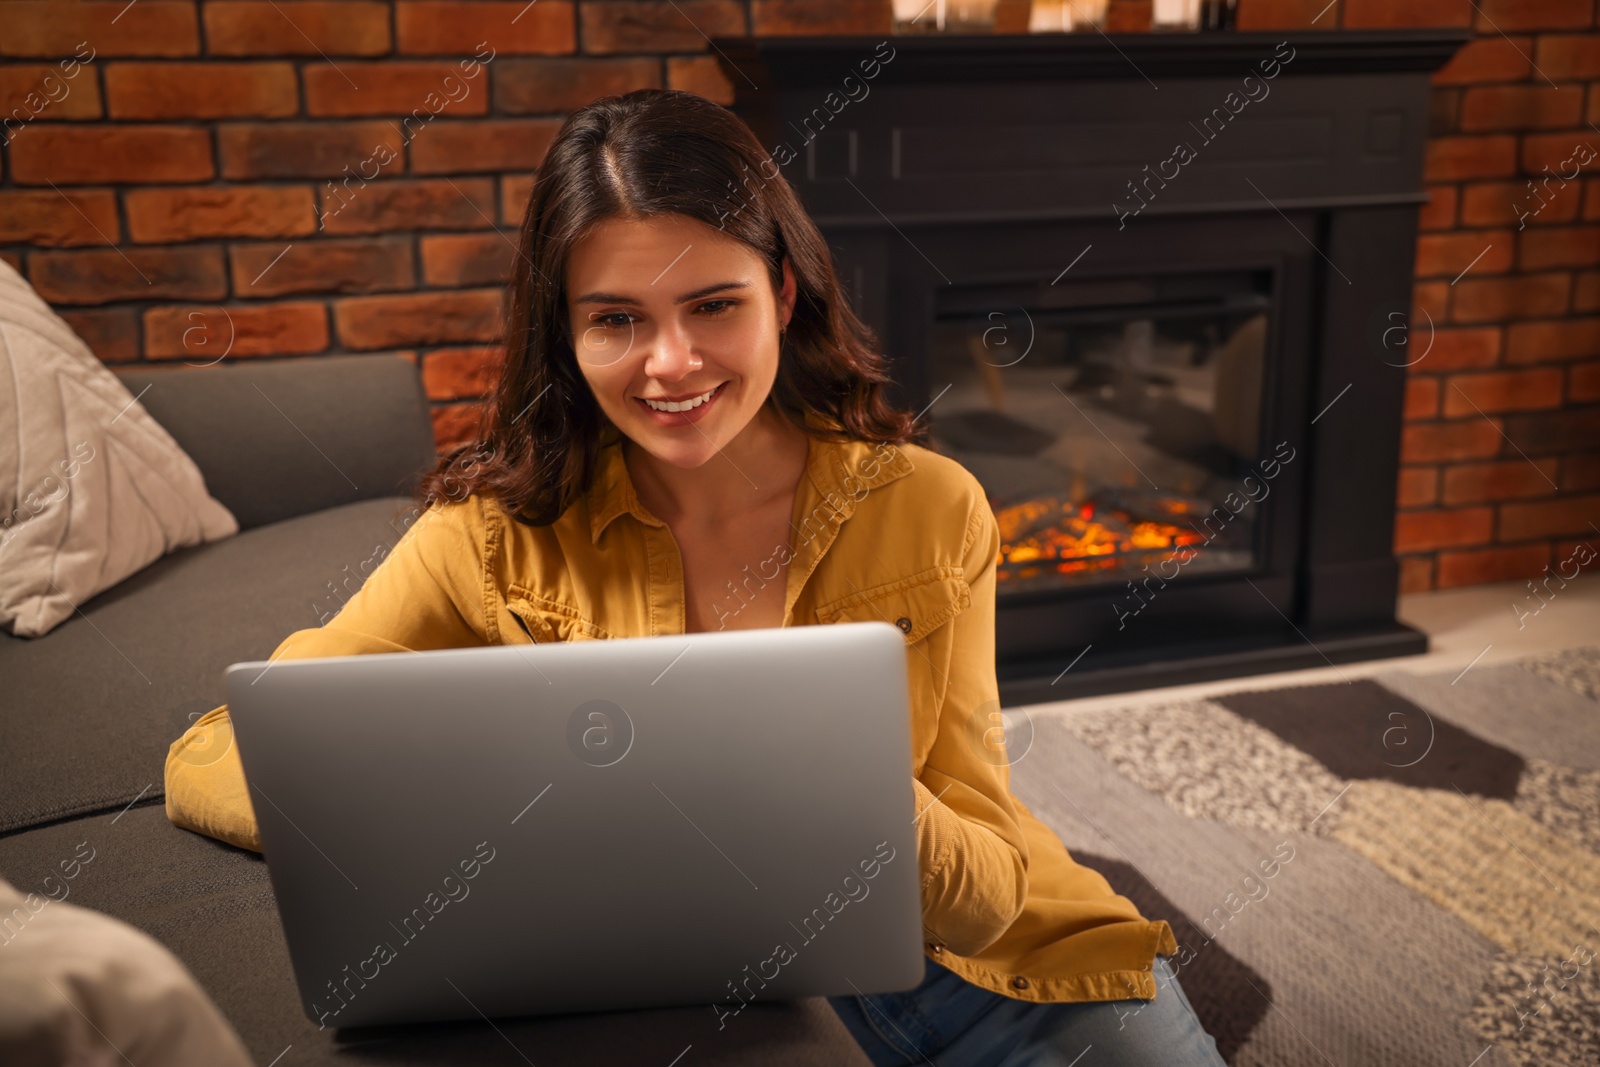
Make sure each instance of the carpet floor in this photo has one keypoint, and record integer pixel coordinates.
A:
(1399, 869)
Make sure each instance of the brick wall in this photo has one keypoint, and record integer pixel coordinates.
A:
(258, 178)
(1501, 447)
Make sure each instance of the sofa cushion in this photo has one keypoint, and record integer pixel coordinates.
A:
(287, 437)
(88, 711)
(92, 488)
(212, 905)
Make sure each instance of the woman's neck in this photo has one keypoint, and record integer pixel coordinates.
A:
(764, 461)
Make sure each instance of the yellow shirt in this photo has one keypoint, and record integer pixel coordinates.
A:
(879, 532)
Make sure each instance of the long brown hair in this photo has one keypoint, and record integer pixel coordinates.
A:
(644, 153)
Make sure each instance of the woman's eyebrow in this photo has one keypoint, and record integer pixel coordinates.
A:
(615, 298)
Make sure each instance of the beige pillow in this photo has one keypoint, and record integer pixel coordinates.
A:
(92, 489)
(79, 987)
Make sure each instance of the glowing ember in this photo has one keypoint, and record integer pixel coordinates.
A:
(1052, 535)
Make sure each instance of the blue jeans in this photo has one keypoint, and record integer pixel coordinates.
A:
(953, 1023)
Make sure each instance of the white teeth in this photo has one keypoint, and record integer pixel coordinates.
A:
(676, 405)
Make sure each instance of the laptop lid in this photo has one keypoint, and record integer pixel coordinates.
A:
(705, 818)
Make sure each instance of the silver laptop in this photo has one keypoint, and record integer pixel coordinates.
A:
(710, 818)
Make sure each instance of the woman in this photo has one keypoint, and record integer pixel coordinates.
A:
(690, 433)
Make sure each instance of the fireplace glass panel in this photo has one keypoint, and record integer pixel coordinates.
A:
(1108, 422)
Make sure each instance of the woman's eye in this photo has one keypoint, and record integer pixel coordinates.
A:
(610, 320)
(716, 307)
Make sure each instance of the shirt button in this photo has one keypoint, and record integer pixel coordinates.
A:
(937, 949)
(1019, 983)
(904, 624)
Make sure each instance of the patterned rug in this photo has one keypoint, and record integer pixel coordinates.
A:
(1402, 869)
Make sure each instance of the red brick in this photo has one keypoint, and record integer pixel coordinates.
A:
(53, 30)
(102, 276)
(516, 28)
(807, 18)
(192, 212)
(1442, 442)
(111, 333)
(1584, 385)
(1567, 246)
(58, 219)
(446, 147)
(701, 75)
(658, 26)
(398, 87)
(1580, 471)
(297, 28)
(455, 425)
(1418, 486)
(1444, 105)
(1569, 56)
(1544, 342)
(378, 207)
(1502, 203)
(461, 373)
(1439, 213)
(1462, 349)
(1591, 199)
(1551, 150)
(1569, 516)
(1286, 15)
(1488, 59)
(1567, 430)
(515, 192)
(465, 315)
(1122, 16)
(1520, 107)
(1586, 291)
(84, 155)
(201, 90)
(28, 91)
(310, 150)
(453, 260)
(356, 265)
(1448, 254)
(1496, 16)
(1011, 16)
(203, 334)
(1526, 296)
(1416, 574)
(1422, 397)
(552, 86)
(1453, 158)
(1422, 531)
(1497, 391)
(1385, 14)
(1491, 565)
(1565, 551)
(1429, 301)
(1479, 483)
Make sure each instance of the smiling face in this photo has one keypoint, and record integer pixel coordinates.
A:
(675, 325)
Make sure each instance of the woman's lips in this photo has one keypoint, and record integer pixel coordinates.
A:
(682, 418)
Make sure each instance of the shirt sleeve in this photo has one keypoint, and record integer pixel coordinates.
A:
(427, 593)
(969, 833)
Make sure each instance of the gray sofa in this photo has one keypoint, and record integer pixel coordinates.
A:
(316, 458)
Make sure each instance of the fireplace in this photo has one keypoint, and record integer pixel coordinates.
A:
(1154, 292)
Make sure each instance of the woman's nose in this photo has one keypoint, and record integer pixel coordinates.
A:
(672, 355)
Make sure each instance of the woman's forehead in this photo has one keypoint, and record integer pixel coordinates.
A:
(659, 257)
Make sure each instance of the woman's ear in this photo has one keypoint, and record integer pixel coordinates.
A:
(786, 295)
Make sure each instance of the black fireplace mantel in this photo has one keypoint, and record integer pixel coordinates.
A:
(935, 163)
(800, 62)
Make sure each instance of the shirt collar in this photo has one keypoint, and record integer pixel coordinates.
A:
(837, 472)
